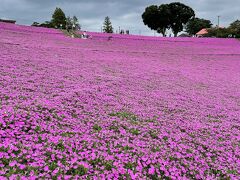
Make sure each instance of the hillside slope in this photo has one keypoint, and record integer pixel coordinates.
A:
(130, 107)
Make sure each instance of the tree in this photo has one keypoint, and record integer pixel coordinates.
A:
(47, 24)
(72, 23)
(194, 25)
(164, 19)
(218, 32)
(59, 18)
(69, 23)
(36, 24)
(234, 28)
(157, 18)
(107, 25)
(232, 31)
(180, 15)
(166, 16)
(150, 17)
(76, 24)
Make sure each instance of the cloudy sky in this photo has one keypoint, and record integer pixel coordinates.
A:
(123, 13)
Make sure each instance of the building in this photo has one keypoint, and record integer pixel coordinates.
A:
(202, 33)
(8, 21)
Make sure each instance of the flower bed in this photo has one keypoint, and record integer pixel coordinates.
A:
(135, 107)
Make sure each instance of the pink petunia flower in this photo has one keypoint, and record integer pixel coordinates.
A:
(151, 170)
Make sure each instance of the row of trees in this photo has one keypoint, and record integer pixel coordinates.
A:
(195, 25)
(167, 16)
(177, 17)
(108, 28)
(60, 21)
(232, 31)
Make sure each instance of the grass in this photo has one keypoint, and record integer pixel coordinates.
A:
(124, 115)
(134, 131)
(97, 128)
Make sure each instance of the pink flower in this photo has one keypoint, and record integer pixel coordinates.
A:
(144, 159)
(139, 168)
(151, 170)
(55, 171)
(13, 163)
(13, 177)
(46, 168)
(121, 170)
(22, 166)
(133, 176)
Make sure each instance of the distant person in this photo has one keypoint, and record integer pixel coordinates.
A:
(84, 34)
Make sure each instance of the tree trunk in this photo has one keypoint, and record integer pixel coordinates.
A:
(164, 32)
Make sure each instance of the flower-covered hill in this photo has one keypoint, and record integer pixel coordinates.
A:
(126, 107)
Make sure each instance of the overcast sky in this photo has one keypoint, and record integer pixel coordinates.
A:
(123, 13)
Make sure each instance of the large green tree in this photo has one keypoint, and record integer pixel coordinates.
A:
(157, 18)
(59, 18)
(194, 25)
(107, 25)
(218, 32)
(232, 31)
(76, 24)
(166, 16)
(234, 28)
(72, 23)
(69, 23)
(180, 15)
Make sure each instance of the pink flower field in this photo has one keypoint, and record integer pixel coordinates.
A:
(132, 107)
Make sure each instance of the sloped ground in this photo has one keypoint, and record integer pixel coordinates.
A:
(131, 107)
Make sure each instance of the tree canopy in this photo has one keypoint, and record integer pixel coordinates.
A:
(107, 25)
(72, 23)
(180, 15)
(235, 28)
(157, 18)
(76, 24)
(46, 24)
(233, 31)
(59, 18)
(194, 25)
(174, 15)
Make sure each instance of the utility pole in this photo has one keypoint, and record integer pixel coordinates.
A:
(219, 21)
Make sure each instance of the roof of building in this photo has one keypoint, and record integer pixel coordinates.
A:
(202, 32)
(7, 20)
